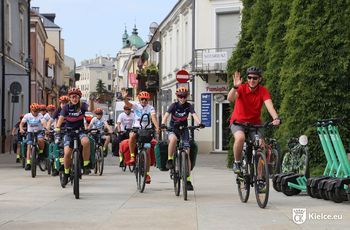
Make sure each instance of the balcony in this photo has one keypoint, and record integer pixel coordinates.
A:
(211, 61)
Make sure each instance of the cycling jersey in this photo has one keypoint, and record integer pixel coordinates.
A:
(47, 117)
(126, 121)
(98, 123)
(139, 110)
(74, 115)
(179, 113)
(33, 123)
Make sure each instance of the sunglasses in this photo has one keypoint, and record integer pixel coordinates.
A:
(143, 99)
(253, 78)
(99, 114)
(182, 97)
(74, 97)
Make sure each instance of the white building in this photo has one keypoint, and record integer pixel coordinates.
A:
(199, 36)
(100, 68)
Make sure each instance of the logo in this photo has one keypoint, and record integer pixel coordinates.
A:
(299, 215)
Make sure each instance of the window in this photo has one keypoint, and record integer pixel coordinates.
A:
(109, 76)
(8, 22)
(109, 87)
(228, 28)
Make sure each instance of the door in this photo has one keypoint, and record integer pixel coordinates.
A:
(222, 130)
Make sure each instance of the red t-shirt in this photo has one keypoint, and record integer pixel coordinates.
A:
(248, 104)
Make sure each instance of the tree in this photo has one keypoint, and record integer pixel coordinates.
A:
(100, 87)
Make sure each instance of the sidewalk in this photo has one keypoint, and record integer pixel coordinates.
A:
(111, 201)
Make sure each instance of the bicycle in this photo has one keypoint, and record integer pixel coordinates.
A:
(34, 156)
(273, 156)
(143, 143)
(99, 156)
(180, 171)
(254, 167)
(77, 162)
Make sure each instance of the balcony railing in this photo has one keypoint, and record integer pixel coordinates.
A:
(211, 60)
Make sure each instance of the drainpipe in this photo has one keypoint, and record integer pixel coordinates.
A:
(29, 58)
(193, 54)
(3, 121)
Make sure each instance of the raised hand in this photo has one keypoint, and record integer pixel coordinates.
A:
(237, 80)
(124, 93)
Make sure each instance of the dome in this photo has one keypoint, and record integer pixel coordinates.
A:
(135, 40)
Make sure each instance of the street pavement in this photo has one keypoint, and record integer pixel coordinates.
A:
(111, 201)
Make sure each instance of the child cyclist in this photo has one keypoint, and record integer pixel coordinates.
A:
(15, 132)
(35, 122)
(99, 123)
(179, 112)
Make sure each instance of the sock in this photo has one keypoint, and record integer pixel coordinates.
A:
(189, 178)
(28, 162)
(170, 157)
(120, 158)
(86, 163)
(18, 156)
(41, 151)
(147, 173)
(66, 171)
(132, 155)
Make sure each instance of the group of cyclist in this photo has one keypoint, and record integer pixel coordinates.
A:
(248, 97)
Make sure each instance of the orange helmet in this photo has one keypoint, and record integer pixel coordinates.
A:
(50, 107)
(64, 99)
(144, 94)
(76, 91)
(182, 91)
(98, 111)
(88, 118)
(35, 107)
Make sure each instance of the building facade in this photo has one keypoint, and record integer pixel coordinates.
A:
(199, 37)
(15, 65)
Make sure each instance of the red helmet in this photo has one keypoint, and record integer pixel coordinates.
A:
(64, 99)
(76, 91)
(50, 107)
(34, 107)
(182, 91)
(98, 111)
(144, 94)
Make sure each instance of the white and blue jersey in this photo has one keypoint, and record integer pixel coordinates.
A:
(139, 110)
(33, 123)
(98, 123)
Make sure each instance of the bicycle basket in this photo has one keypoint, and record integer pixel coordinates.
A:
(144, 135)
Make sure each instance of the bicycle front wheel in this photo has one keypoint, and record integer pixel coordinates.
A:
(33, 159)
(142, 170)
(99, 161)
(176, 171)
(243, 180)
(261, 179)
(76, 172)
(184, 172)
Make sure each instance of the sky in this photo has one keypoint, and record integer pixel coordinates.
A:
(95, 27)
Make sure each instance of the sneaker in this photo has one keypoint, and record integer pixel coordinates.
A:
(169, 164)
(189, 186)
(65, 179)
(261, 186)
(237, 167)
(86, 170)
(28, 167)
(54, 172)
(132, 160)
(148, 179)
(17, 160)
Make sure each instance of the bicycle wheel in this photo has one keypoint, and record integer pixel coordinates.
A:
(176, 172)
(243, 180)
(76, 172)
(61, 175)
(142, 170)
(100, 161)
(274, 162)
(261, 179)
(184, 173)
(33, 159)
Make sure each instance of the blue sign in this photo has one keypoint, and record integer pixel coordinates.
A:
(206, 109)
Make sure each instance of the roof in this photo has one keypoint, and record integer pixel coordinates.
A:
(47, 22)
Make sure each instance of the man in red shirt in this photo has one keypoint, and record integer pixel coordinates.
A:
(249, 99)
